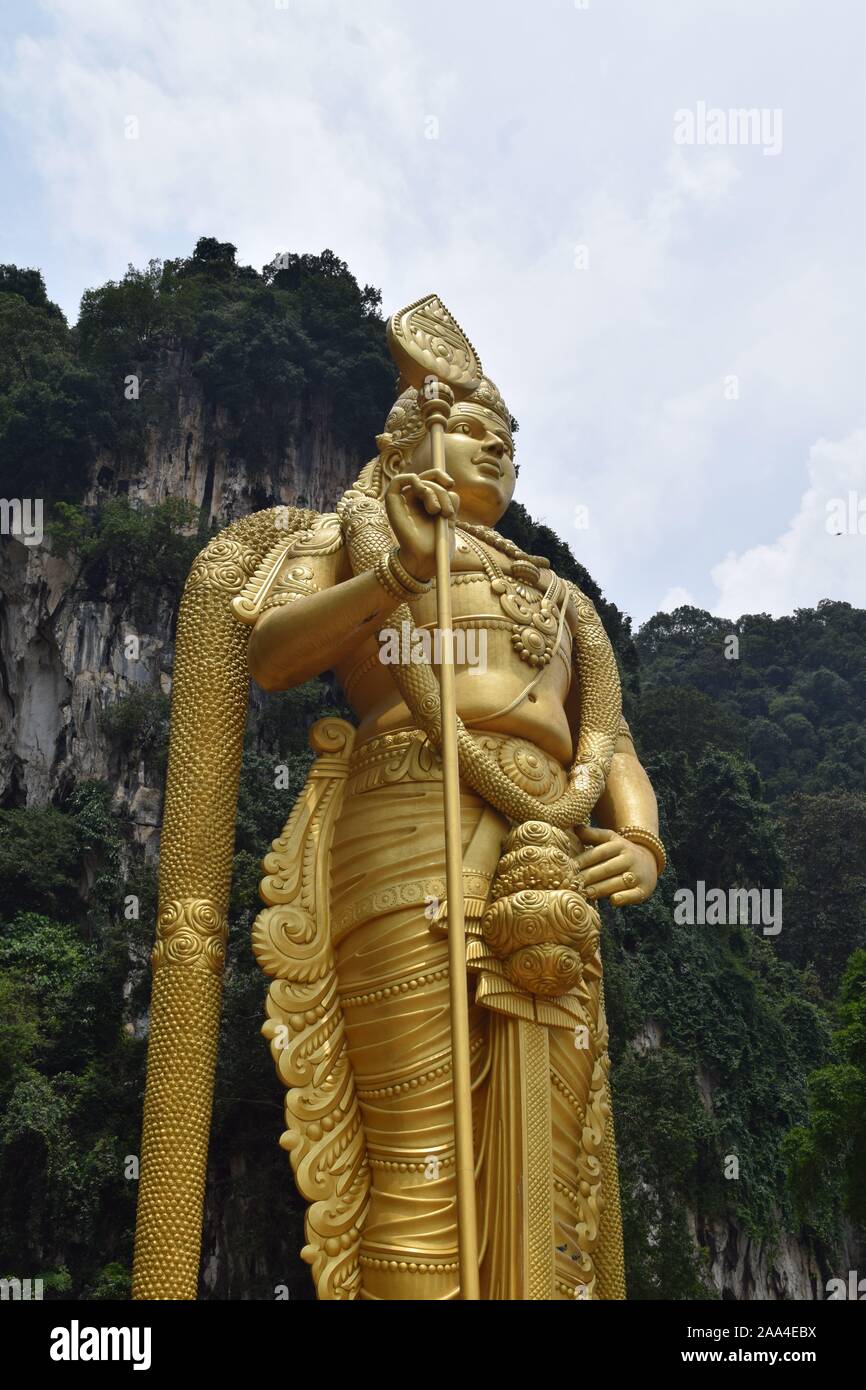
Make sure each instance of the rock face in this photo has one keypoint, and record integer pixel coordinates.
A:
(65, 660)
(745, 1268)
(66, 656)
(193, 455)
(75, 646)
(738, 1265)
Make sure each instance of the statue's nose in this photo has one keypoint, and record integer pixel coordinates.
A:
(494, 445)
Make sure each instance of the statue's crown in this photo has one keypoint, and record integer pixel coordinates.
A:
(424, 340)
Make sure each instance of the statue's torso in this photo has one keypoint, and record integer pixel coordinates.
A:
(486, 681)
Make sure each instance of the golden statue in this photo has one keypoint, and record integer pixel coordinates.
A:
(436, 1008)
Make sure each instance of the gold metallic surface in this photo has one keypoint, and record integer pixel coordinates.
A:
(425, 339)
(464, 1161)
(639, 836)
(535, 1065)
(355, 934)
(368, 536)
(305, 1027)
(209, 705)
(435, 410)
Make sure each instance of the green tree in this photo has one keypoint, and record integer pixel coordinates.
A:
(832, 1144)
(825, 882)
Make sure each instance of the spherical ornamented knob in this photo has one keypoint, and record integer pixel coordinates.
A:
(548, 970)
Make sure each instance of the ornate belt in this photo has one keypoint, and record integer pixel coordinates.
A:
(407, 756)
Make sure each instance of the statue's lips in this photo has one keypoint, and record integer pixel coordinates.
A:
(489, 467)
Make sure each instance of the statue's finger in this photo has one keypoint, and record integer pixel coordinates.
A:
(436, 475)
(431, 501)
(628, 898)
(445, 502)
(594, 834)
(597, 855)
(608, 872)
(396, 484)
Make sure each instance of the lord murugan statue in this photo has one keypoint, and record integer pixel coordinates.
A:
(436, 1010)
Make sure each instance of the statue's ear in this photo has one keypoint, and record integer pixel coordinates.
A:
(391, 460)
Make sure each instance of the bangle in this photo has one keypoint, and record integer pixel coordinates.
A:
(402, 575)
(639, 836)
(396, 579)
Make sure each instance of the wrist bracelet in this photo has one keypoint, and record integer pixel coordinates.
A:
(402, 575)
(382, 571)
(396, 579)
(638, 836)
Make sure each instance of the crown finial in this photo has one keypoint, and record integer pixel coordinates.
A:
(425, 339)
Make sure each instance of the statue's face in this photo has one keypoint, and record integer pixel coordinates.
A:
(479, 457)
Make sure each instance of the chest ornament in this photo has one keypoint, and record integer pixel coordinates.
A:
(532, 612)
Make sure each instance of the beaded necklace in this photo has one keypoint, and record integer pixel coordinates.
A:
(534, 615)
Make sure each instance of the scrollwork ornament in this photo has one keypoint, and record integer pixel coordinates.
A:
(224, 563)
(190, 931)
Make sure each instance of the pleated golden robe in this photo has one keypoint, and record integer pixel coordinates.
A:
(549, 1221)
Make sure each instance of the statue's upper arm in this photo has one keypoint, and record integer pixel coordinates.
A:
(302, 564)
(300, 576)
(579, 604)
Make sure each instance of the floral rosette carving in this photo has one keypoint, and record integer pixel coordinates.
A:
(529, 769)
(537, 832)
(532, 916)
(544, 931)
(224, 563)
(545, 970)
(190, 931)
(535, 866)
(288, 934)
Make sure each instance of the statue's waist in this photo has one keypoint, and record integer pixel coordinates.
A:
(483, 643)
(407, 756)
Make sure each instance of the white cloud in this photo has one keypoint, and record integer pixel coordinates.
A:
(821, 553)
(243, 131)
(706, 179)
(676, 598)
(300, 128)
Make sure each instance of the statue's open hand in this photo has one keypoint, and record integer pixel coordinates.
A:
(413, 501)
(614, 868)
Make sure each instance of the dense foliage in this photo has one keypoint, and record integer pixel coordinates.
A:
(753, 1013)
(53, 408)
(70, 1065)
(272, 351)
(265, 347)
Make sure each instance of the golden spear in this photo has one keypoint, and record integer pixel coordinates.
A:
(434, 354)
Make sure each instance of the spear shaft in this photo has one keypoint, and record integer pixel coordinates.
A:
(467, 1222)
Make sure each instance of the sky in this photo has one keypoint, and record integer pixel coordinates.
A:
(670, 298)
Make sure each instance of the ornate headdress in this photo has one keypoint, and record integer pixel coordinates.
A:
(426, 334)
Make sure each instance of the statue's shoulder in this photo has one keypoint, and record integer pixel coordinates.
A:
(581, 608)
(299, 553)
